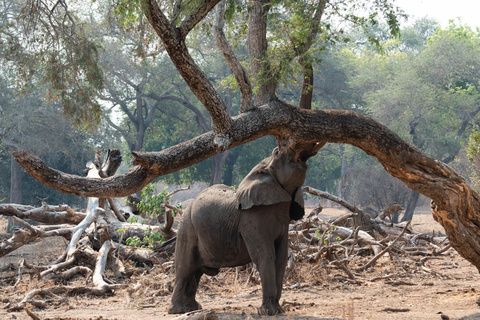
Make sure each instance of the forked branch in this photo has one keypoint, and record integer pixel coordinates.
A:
(240, 73)
(174, 42)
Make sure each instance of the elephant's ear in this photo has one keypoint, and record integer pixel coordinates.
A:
(297, 207)
(260, 189)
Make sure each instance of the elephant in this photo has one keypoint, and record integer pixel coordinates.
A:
(226, 228)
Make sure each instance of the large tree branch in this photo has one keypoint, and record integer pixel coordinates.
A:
(455, 205)
(240, 73)
(277, 118)
(196, 79)
(117, 186)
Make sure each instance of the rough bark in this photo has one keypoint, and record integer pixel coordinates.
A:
(307, 85)
(257, 50)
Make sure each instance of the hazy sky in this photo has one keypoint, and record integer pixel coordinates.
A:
(443, 10)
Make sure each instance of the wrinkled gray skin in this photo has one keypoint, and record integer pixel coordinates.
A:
(223, 228)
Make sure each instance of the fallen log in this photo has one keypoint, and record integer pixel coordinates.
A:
(46, 213)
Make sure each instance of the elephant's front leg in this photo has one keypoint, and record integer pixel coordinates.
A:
(263, 255)
(281, 257)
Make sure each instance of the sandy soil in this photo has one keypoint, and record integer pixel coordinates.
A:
(425, 288)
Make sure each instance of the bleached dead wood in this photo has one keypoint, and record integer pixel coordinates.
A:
(98, 281)
(46, 213)
(343, 232)
(22, 237)
(377, 256)
(92, 212)
(79, 256)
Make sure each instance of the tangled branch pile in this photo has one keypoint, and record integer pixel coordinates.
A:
(345, 242)
(96, 240)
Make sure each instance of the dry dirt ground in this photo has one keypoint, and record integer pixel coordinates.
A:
(445, 287)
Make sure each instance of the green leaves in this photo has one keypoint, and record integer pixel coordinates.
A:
(76, 79)
(150, 240)
(47, 43)
(128, 12)
(151, 203)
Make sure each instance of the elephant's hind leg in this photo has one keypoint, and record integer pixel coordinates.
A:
(177, 305)
(189, 301)
(186, 255)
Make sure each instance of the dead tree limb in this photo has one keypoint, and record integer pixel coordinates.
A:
(92, 212)
(359, 218)
(41, 292)
(22, 237)
(101, 285)
(46, 213)
(363, 237)
(380, 254)
(333, 198)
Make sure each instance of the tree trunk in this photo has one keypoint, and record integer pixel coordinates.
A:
(218, 163)
(230, 165)
(15, 182)
(307, 87)
(342, 182)
(411, 205)
(257, 50)
(15, 188)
